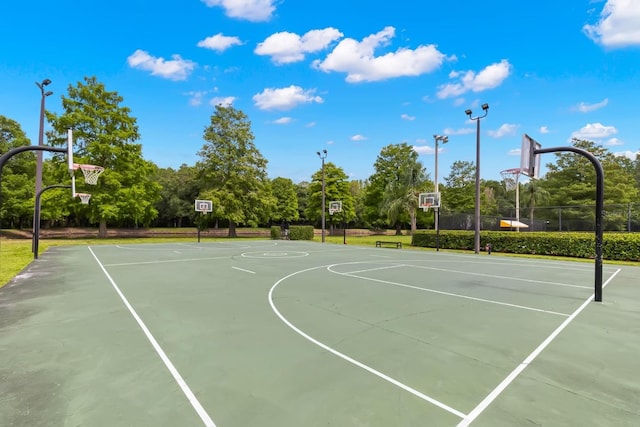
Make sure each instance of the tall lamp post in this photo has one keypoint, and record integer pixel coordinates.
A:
(444, 140)
(485, 109)
(41, 85)
(322, 155)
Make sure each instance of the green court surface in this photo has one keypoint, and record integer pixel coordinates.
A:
(286, 333)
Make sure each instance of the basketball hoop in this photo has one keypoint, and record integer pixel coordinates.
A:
(84, 197)
(426, 206)
(428, 201)
(335, 207)
(90, 172)
(510, 178)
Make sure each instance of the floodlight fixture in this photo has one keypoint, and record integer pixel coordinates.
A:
(468, 112)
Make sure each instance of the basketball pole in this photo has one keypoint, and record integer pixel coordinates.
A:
(597, 295)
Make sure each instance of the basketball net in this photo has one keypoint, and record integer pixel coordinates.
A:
(90, 172)
(84, 197)
(510, 178)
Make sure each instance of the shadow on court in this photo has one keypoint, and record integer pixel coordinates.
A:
(286, 333)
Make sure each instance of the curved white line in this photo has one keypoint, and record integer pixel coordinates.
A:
(350, 359)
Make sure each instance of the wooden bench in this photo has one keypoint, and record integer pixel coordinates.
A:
(381, 243)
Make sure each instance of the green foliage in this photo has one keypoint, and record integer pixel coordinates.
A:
(459, 192)
(104, 134)
(18, 190)
(336, 189)
(301, 232)
(179, 191)
(296, 232)
(616, 246)
(396, 182)
(233, 172)
(286, 208)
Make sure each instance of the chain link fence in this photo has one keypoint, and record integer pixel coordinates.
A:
(616, 217)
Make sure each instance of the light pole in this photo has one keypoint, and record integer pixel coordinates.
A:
(41, 85)
(322, 156)
(485, 108)
(444, 140)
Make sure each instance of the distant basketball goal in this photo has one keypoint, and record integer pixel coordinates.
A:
(91, 173)
(335, 207)
(428, 201)
(203, 206)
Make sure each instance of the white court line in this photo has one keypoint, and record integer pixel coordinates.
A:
(452, 294)
(164, 261)
(172, 369)
(242, 269)
(377, 268)
(521, 367)
(470, 273)
(351, 360)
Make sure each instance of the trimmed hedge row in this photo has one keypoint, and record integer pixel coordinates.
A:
(296, 232)
(615, 246)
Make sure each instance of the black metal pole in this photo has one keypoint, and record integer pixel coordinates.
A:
(599, 209)
(6, 156)
(485, 108)
(476, 239)
(36, 215)
(41, 86)
(437, 214)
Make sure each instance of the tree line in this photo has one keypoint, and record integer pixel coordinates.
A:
(232, 173)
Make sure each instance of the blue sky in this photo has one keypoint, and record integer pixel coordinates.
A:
(348, 76)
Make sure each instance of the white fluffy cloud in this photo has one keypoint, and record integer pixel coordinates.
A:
(357, 59)
(173, 69)
(250, 10)
(219, 42)
(286, 47)
(504, 130)
(594, 131)
(225, 101)
(285, 98)
(358, 137)
(425, 149)
(283, 121)
(407, 117)
(544, 129)
(619, 24)
(587, 108)
(490, 77)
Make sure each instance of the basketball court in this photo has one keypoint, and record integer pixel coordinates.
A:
(290, 333)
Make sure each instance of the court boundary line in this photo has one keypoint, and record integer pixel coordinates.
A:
(191, 397)
(350, 359)
(471, 273)
(451, 294)
(126, 264)
(484, 404)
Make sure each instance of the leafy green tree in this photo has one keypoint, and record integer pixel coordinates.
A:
(390, 176)
(571, 181)
(336, 189)
(302, 193)
(401, 194)
(286, 208)
(18, 188)
(533, 194)
(179, 191)
(358, 190)
(458, 194)
(104, 134)
(234, 172)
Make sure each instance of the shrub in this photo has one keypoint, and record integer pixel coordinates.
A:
(615, 246)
